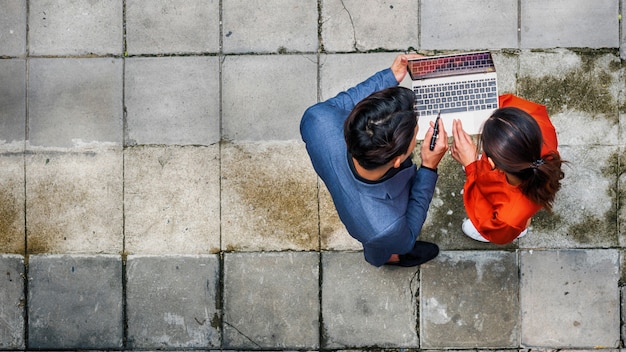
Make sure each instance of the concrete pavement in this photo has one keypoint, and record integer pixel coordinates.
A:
(155, 194)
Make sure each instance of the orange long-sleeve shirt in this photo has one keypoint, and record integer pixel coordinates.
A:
(499, 210)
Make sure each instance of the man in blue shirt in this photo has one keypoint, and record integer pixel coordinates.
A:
(360, 143)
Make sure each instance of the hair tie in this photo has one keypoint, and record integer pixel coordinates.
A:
(535, 164)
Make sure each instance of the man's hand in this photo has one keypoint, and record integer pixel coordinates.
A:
(463, 148)
(399, 66)
(431, 158)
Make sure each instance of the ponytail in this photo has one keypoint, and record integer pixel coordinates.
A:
(544, 181)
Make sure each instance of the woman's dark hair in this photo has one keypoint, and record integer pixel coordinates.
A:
(512, 139)
(381, 127)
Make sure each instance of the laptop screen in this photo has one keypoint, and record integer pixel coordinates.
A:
(450, 65)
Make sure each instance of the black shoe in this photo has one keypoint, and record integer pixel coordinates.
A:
(420, 254)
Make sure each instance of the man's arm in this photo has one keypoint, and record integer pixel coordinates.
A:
(420, 197)
(348, 99)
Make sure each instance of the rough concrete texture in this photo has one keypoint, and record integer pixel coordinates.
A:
(13, 101)
(346, 25)
(254, 110)
(172, 100)
(155, 192)
(172, 200)
(74, 201)
(72, 101)
(367, 306)
(266, 306)
(446, 24)
(12, 231)
(470, 299)
(254, 216)
(75, 301)
(577, 305)
(68, 27)
(161, 26)
(12, 301)
(13, 27)
(171, 301)
(566, 23)
(262, 27)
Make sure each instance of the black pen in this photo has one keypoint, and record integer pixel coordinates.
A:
(435, 132)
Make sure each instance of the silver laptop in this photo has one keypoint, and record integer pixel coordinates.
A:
(459, 86)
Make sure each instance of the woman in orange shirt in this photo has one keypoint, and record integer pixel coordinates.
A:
(518, 173)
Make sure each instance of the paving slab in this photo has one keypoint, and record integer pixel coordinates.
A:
(454, 24)
(271, 301)
(72, 101)
(13, 102)
(75, 27)
(159, 27)
(268, 197)
(12, 302)
(579, 304)
(172, 302)
(347, 25)
(13, 28)
(259, 26)
(172, 100)
(569, 23)
(365, 306)
(172, 200)
(74, 200)
(75, 302)
(579, 89)
(169, 131)
(252, 108)
(469, 299)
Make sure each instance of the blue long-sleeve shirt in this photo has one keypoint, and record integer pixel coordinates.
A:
(387, 216)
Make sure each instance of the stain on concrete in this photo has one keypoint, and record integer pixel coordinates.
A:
(592, 229)
(67, 204)
(39, 245)
(232, 248)
(509, 53)
(10, 228)
(585, 88)
(545, 221)
(612, 169)
(216, 321)
(45, 220)
(328, 229)
(278, 198)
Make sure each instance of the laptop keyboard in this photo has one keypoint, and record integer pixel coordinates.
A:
(479, 94)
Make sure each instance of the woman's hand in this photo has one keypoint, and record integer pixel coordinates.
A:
(463, 148)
